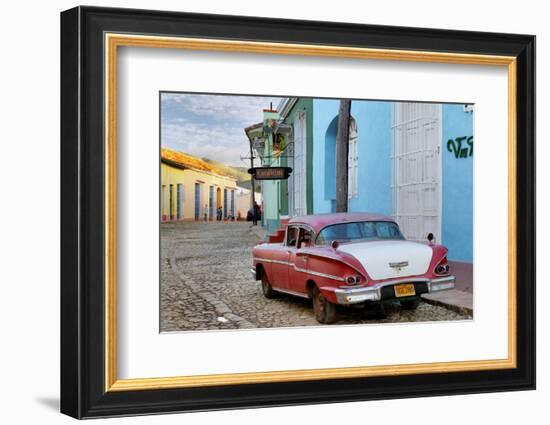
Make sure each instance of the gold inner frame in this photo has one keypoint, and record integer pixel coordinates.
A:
(113, 41)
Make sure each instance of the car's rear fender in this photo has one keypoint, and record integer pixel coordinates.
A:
(328, 257)
(329, 274)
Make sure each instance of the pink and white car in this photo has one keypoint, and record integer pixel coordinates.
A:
(349, 258)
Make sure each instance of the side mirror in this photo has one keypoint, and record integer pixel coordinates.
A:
(430, 237)
(335, 244)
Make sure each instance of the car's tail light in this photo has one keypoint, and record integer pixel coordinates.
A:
(442, 267)
(353, 280)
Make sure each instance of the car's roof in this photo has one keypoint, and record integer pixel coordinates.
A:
(319, 221)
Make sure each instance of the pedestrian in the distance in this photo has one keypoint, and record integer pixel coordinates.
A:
(257, 212)
(205, 212)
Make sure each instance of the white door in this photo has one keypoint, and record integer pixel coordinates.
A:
(298, 192)
(417, 169)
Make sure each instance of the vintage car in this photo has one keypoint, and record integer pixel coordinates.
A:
(349, 259)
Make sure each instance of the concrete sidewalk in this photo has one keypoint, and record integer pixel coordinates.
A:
(458, 301)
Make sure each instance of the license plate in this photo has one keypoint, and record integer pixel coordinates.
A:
(404, 290)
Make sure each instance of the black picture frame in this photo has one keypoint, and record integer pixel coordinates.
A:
(83, 392)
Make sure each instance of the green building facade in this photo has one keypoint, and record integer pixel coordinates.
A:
(285, 138)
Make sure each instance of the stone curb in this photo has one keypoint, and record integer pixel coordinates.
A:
(460, 309)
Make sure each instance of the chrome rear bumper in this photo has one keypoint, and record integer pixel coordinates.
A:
(374, 293)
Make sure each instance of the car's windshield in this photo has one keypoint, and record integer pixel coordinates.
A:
(366, 230)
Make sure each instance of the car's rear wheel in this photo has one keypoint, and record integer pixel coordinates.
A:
(325, 311)
(410, 304)
(267, 290)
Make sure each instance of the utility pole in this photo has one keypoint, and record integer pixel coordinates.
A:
(342, 146)
(253, 187)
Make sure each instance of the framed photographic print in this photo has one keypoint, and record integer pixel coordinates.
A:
(261, 212)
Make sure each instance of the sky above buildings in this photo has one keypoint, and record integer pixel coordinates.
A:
(211, 126)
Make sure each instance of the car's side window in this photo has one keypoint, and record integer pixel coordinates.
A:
(305, 238)
(292, 236)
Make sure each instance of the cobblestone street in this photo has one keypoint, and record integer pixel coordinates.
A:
(206, 284)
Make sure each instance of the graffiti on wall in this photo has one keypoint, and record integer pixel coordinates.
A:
(458, 146)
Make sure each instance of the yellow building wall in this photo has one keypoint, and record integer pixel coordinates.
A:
(172, 176)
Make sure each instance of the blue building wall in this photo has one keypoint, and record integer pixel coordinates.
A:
(324, 111)
(374, 121)
(457, 189)
(375, 165)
